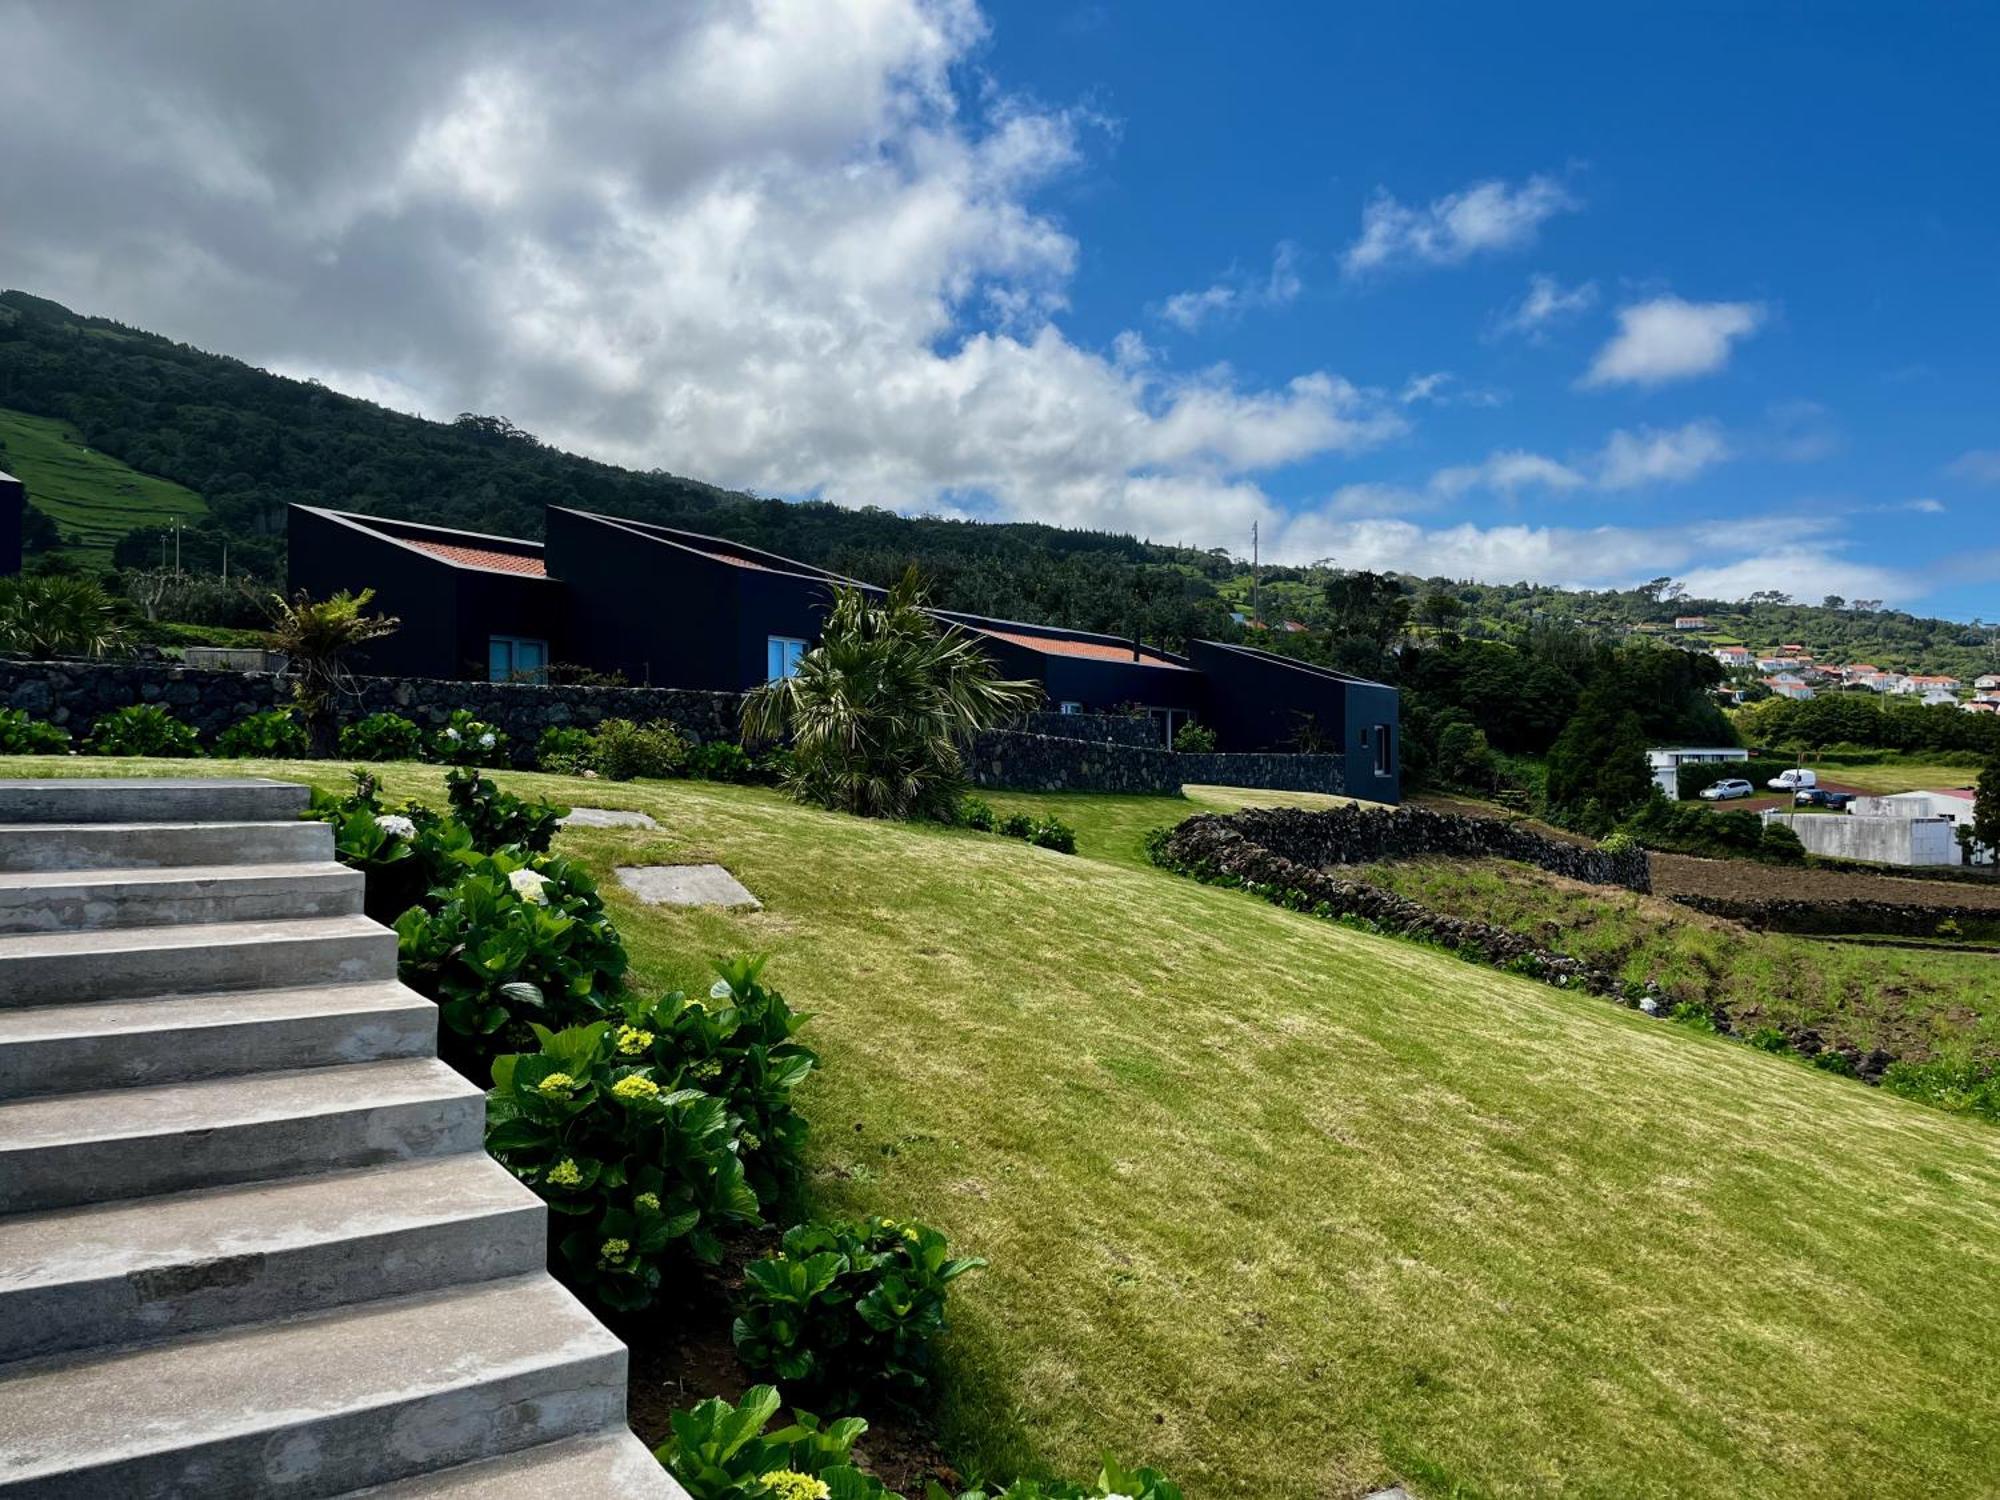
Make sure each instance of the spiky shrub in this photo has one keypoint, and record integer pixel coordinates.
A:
(317, 636)
(878, 709)
(381, 737)
(849, 1309)
(566, 750)
(468, 741)
(22, 735)
(740, 1046)
(58, 615)
(142, 729)
(632, 1167)
(517, 939)
(721, 1452)
(496, 819)
(622, 750)
(272, 735)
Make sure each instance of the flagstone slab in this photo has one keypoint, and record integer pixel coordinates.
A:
(686, 885)
(606, 817)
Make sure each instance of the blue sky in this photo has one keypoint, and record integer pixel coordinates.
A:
(1581, 294)
(1830, 166)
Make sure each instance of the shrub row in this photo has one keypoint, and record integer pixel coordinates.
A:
(1687, 828)
(1044, 832)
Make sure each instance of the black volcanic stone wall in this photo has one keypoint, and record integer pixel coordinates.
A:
(1882, 918)
(1360, 835)
(74, 694)
(1010, 760)
(1136, 730)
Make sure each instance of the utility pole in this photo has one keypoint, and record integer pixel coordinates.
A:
(225, 562)
(177, 549)
(1256, 597)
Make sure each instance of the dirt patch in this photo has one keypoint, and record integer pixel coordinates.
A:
(1744, 880)
(682, 1354)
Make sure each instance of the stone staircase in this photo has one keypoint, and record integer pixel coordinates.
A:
(249, 1242)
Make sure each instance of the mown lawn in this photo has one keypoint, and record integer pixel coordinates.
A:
(93, 497)
(1293, 1211)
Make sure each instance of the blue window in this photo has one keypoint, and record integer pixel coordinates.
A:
(515, 658)
(781, 657)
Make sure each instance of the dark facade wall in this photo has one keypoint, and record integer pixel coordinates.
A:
(447, 612)
(13, 508)
(1261, 702)
(1011, 761)
(1371, 707)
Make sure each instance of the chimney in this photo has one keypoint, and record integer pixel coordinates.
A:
(1136, 656)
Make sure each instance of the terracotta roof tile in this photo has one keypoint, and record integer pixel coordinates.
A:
(1094, 650)
(528, 566)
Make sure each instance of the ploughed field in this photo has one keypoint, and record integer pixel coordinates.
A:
(1744, 880)
(1292, 1211)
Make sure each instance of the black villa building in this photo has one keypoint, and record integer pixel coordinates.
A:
(669, 608)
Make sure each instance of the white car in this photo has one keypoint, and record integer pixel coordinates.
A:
(1723, 791)
(1795, 780)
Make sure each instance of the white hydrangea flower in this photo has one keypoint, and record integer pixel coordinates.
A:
(396, 825)
(450, 733)
(1649, 1005)
(530, 885)
(486, 740)
(720, 990)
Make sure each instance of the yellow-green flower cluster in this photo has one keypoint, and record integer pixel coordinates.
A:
(632, 1041)
(636, 1086)
(790, 1484)
(565, 1173)
(708, 1068)
(615, 1250)
(556, 1084)
(648, 1200)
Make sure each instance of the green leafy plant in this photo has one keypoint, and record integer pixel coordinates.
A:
(382, 736)
(845, 1307)
(740, 1045)
(977, 813)
(1051, 832)
(630, 1166)
(721, 1452)
(1016, 826)
(1195, 739)
(57, 614)
(498, 819)
(877, 710)
(275, 735)
(142, 729)
(1620, 841)
(622, 750)
(316, 636)
(402, 854)
(719, 760)
(1113, 1482)
(467, 741)
(566, 750)
(518, 938)
(21, 734)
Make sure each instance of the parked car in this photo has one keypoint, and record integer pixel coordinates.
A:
(1819, 796)
(1793, 780)
(1723, 791)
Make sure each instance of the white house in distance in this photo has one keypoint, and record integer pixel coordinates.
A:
(1666, 764)
(1732, 656)
(1690, 622)
(1788, 685)
(1951, 806)
(1990, 683)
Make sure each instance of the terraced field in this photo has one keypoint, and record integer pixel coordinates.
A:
(92, 497)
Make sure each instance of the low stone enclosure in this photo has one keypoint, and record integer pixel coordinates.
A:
(1287, 856)
(1050, 752)
(1844, 918)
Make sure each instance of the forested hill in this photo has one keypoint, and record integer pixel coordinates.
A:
(249, 443)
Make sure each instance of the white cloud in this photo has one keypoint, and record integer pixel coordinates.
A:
(1980, 465)
(1187, 311)
(1801, 432)
(1547, 302)
(1653, 456)
(1925, 507)
(1804, 572)
(1507, 473)
(1672, 339)
(788, 245)
(1488, 216)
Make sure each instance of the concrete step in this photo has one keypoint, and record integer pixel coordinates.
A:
(132, 846)
(55, 968)
(72, 1149)
(55, 1049)
(161, 1268)
(79, 900)
(150, 799)
(315, 1406)
(581, 1468)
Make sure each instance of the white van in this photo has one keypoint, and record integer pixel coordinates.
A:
(1795, 780)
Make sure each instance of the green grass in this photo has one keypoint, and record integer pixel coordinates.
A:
(92, 497)
(1292, 1211)
(1913, 1003)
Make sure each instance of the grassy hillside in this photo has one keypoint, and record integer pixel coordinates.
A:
(91, 496)
(1294, 1211)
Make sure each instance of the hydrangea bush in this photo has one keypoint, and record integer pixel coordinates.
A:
(466, 741)
(22, 735)
(382, 737)
(275, 734)
(142, 729)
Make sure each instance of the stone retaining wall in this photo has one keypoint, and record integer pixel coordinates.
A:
(75, 693)
(1360, 835)
(1136, 730)
(1823, 918)
(1011, 760)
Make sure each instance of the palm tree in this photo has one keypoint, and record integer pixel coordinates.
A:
(317, 634)
(58, 614)
(879, 707)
